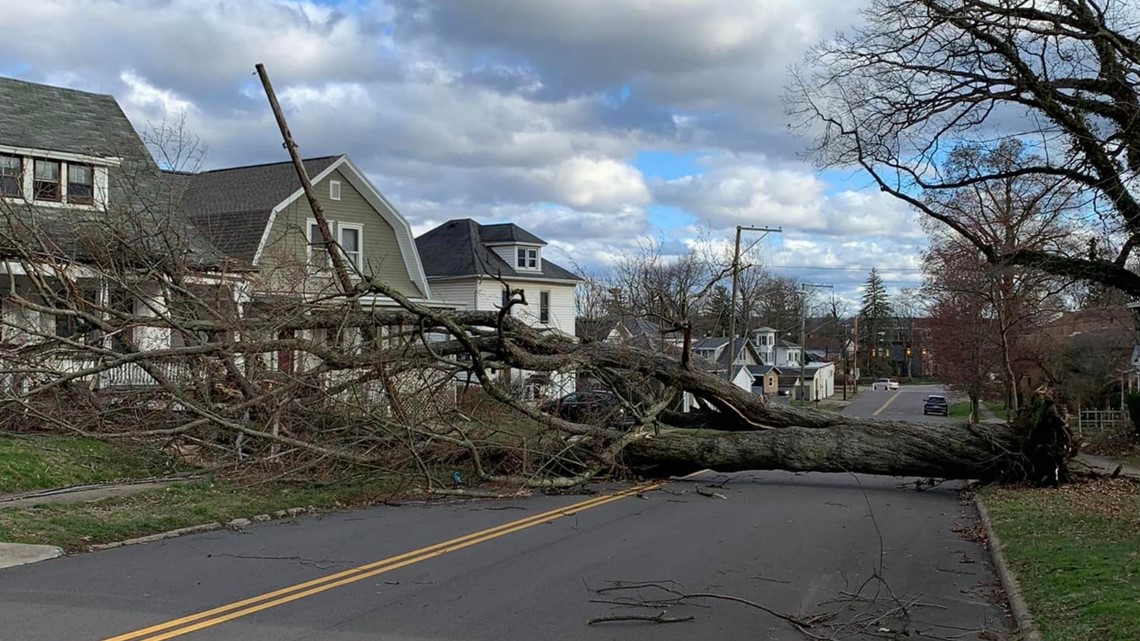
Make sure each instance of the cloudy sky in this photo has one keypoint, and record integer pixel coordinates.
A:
(594, 123)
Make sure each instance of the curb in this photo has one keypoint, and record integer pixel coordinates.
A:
(234, 524)
(1021, 615)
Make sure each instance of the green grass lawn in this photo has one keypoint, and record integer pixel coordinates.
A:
(76, 525)
(961, 409)
(33, 463)
(1076, 553)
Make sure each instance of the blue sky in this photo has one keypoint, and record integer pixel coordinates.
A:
(597, 124)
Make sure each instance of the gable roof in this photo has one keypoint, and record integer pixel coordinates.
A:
(761, 370)
(720, 343)
(232, 206)
(710, 342)
(65, 120)
(458, 248)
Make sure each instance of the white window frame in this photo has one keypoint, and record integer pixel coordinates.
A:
(530, 255)
(334, 190)
(312, 232)
(359, 261)
(544, 307)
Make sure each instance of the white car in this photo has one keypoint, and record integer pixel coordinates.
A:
(885, 384)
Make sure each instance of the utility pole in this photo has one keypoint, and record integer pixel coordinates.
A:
(732, 297)
(803, 328)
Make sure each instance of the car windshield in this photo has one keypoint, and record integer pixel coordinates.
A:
(936, 399)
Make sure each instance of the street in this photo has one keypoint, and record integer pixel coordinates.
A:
(798, 544)
(903, 404)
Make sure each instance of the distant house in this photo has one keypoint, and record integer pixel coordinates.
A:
(716, 350)
(765, 379)
(774, 350)
(471, 266)
(631, 331)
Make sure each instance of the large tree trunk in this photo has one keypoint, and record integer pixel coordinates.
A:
(1036, 450)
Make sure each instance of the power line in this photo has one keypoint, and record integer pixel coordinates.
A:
(846, 269)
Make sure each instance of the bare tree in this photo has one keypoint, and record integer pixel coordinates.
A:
(1014, 213)
(923, 76)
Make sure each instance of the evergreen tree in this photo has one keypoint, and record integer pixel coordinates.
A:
(875, 317)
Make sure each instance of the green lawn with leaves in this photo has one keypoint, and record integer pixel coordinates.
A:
(73, 526)
(42, 462)
(1076, 553)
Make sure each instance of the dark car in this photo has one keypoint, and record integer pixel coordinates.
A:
(935, 404)
(598, 407)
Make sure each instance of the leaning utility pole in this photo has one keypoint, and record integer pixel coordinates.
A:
(803, 328)
(732, 297)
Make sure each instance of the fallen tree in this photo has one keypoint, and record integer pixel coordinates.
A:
(320, 376)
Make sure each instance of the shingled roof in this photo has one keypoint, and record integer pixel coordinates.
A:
(139, 222)
(231, 206)
(459, 248)
(57, 119)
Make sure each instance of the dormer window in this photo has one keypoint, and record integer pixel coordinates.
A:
(80, 184)
(47, 184)
(527, 258)
(11, 176)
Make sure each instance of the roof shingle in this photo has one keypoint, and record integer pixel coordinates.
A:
(459, 248)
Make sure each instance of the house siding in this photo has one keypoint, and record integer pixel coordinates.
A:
(486, 294)
(285, 256)
(461, 293)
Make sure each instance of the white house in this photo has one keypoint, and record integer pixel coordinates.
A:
(776, 351)
(470, 266)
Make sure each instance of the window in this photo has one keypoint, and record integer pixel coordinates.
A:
(527, 258)
(11, 176)
(350, 241)
(46, 184)
(80, 184)
(318, 254)
(544, 307)
(334, 189)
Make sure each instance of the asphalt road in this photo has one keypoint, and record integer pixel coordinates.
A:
(797, 544)
(903, 404)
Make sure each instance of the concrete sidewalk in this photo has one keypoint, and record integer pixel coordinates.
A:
(13, 554)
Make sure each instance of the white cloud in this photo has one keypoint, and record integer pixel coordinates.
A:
(498, 110)
(748, 192)
(594, 183)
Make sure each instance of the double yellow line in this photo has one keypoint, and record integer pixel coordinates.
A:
(237, 609)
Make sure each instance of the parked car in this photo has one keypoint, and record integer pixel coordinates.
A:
(935, 404)
(599, 407)
(885, 384)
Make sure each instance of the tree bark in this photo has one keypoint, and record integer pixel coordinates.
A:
(1036, 450)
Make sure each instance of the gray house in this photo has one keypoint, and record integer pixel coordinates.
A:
(78, 188)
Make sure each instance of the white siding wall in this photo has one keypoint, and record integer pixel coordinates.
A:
(486, 294)
(460, 293)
